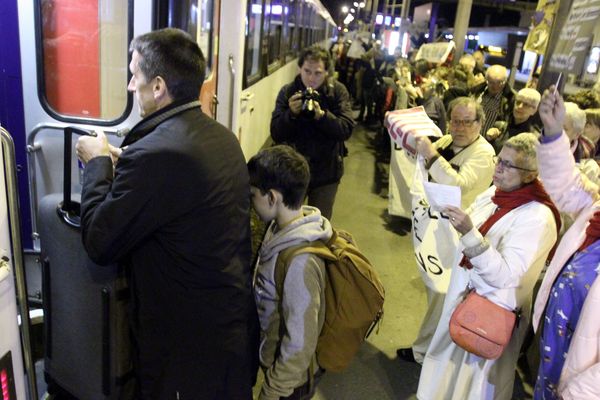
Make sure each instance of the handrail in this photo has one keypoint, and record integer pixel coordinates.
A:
(12, 189)
(32, 147)
(231, 90)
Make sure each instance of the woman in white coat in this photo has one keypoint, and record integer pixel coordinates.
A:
(507, 234)
(568, 302)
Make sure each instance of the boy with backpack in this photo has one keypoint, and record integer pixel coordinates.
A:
(291, 319)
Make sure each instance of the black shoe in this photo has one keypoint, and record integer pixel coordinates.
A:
(406, 354)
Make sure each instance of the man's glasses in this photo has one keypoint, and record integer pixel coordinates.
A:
(508, 165)
(467, 123)
(495, 82)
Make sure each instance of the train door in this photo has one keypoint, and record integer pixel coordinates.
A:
(74, 60)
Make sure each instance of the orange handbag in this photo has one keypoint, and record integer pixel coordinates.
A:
(482, 327)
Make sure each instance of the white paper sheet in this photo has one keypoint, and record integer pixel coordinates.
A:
(439, 196)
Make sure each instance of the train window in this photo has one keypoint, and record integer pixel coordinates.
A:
(193, 16)
(275, 30)
(253, 42)
(83, 71)
(292, 32)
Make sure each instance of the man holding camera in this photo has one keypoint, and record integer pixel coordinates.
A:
(313, 114)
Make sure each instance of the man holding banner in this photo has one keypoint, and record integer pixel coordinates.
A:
(462, 158)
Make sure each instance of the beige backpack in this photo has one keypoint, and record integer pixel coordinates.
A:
(354, 297)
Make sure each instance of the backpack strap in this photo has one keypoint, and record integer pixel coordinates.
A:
(285, 257)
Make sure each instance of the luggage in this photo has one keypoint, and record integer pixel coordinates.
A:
(87, 350)
(354, 297)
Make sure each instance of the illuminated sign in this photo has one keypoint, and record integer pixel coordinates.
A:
(7, 378)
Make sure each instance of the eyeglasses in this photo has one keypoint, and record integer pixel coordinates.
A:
(507, 165)
(463, 122)
(523, 103)
(495, 82)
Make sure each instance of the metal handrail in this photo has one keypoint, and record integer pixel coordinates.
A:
(32, 147)
(8, 148)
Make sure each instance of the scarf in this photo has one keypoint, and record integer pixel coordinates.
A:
(592, 233)
(507, 201)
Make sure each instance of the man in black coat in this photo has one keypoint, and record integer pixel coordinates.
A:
(175, 212)
(316, 127)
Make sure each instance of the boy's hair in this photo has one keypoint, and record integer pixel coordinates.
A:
(283, 169)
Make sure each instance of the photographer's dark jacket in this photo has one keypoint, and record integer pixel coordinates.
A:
(176, 215)
(322, 141)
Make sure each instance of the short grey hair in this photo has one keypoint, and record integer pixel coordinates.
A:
(576, 115)
(467, 102)
(531, 95)
(525, 146)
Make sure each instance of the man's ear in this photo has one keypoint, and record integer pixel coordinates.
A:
(159, 88)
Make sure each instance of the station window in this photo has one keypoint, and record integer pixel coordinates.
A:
(83, 71)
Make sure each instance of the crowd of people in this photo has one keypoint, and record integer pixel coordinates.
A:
(527, 167)
(204, 319)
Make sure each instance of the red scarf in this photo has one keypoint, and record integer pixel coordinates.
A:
(508, 201)
(592, 233)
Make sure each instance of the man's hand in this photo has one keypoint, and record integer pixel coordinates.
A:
(492, 133)
(115, 153)
(295, 103)
(89, 147)
(319, 112)
(425, 147)
(552, 112)
(459, 219)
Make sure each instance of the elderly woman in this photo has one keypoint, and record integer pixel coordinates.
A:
(569, 298)
(521, 120)
(507, 234)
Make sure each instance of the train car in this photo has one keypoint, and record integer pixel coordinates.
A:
(65, 63)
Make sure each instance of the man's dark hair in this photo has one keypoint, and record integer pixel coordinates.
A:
(283, 169)
(315, 53)
(173, 55)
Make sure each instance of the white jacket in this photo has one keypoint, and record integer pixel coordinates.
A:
(572, 193)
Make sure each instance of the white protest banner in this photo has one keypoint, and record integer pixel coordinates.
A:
(402, 171)
(434, 239)
(435, 52)
(405, 125)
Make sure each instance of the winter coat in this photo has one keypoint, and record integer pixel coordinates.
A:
(505, 273)
(176, 215)
(471, 169)
(572, 193)
(322, 141)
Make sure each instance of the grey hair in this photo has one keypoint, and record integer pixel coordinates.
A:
(576, 115)
(525, 146)
(467, 102)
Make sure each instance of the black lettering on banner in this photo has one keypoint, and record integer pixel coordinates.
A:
(420, 261)
(431, 216)
(438, 269)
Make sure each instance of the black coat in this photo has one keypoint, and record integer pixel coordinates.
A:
(322, 141)
(176, 214)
